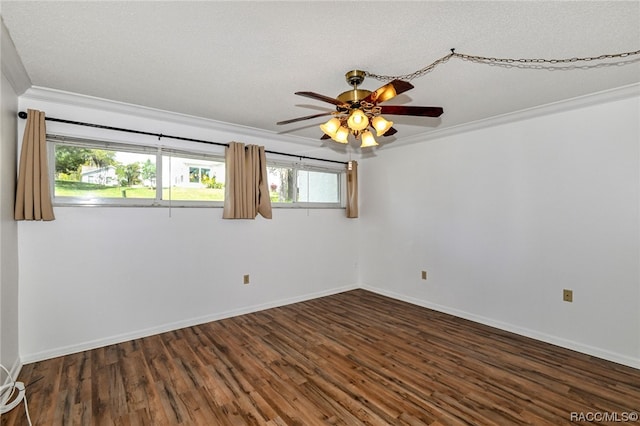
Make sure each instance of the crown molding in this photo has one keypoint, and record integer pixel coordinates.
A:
(611, 95)
(73, 99)
(37, 93)
(12, 66)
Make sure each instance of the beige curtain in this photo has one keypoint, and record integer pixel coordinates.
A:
(352, 189)
(246, 192)
(33, 197)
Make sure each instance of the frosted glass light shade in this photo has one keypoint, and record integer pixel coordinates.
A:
(358, 120)
(368, 140)
(381, 125)
(341, 135)
(330, 127)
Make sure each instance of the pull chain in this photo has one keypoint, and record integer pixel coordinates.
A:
(491, 60)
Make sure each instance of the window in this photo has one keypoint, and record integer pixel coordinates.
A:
(192, 177)
(318, 187)
(199, 174)
(282, 184)
(87, 172)
(304, 186)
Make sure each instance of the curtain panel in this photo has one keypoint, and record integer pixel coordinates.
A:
(352, 189)
(33, 195)
(246, 191)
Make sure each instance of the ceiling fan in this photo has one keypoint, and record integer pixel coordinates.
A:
(358, 109)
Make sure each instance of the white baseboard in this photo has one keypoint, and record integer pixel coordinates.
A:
(554, 340)
(98, 343)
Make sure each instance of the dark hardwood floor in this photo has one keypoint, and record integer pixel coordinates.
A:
(349, 359)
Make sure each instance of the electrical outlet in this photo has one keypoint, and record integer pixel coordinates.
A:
(567, 295)
(246, 279)
(424, 275)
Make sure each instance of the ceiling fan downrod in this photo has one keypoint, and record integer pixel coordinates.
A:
(351, 97)
(355, 78)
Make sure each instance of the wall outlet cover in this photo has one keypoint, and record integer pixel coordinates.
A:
(567, 295)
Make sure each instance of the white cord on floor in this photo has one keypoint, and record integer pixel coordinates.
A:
(6, 404)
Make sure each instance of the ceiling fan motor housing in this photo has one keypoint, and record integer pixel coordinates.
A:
(351, 97)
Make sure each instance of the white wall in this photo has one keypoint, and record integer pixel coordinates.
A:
(9, 356)
(504, 218)
(98, 275)
(14, 81)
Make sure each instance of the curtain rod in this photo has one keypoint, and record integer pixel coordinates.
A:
(23, 115)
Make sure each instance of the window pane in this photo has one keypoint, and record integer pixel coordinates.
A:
(194, 174)
(282, 184)
(318, 187)
(192, 179)
(91, 173)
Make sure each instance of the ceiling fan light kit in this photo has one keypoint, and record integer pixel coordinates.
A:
(341, 135)
(358, 120)
(331, 127)
(368, 140)
(381, 125)
(357, 111)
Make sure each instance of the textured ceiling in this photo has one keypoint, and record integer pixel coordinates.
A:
(241, 62)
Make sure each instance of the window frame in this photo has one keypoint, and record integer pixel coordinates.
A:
(297, 166)
(53, 141)
(160, 152)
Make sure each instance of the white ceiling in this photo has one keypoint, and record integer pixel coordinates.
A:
(241, 62)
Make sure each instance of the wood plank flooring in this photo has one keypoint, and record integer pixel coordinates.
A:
(355, 358)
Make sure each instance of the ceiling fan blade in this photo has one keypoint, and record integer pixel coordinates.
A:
(392, 131)
(320, 97)
(388, 91)
(307, 117)
(411, 110)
